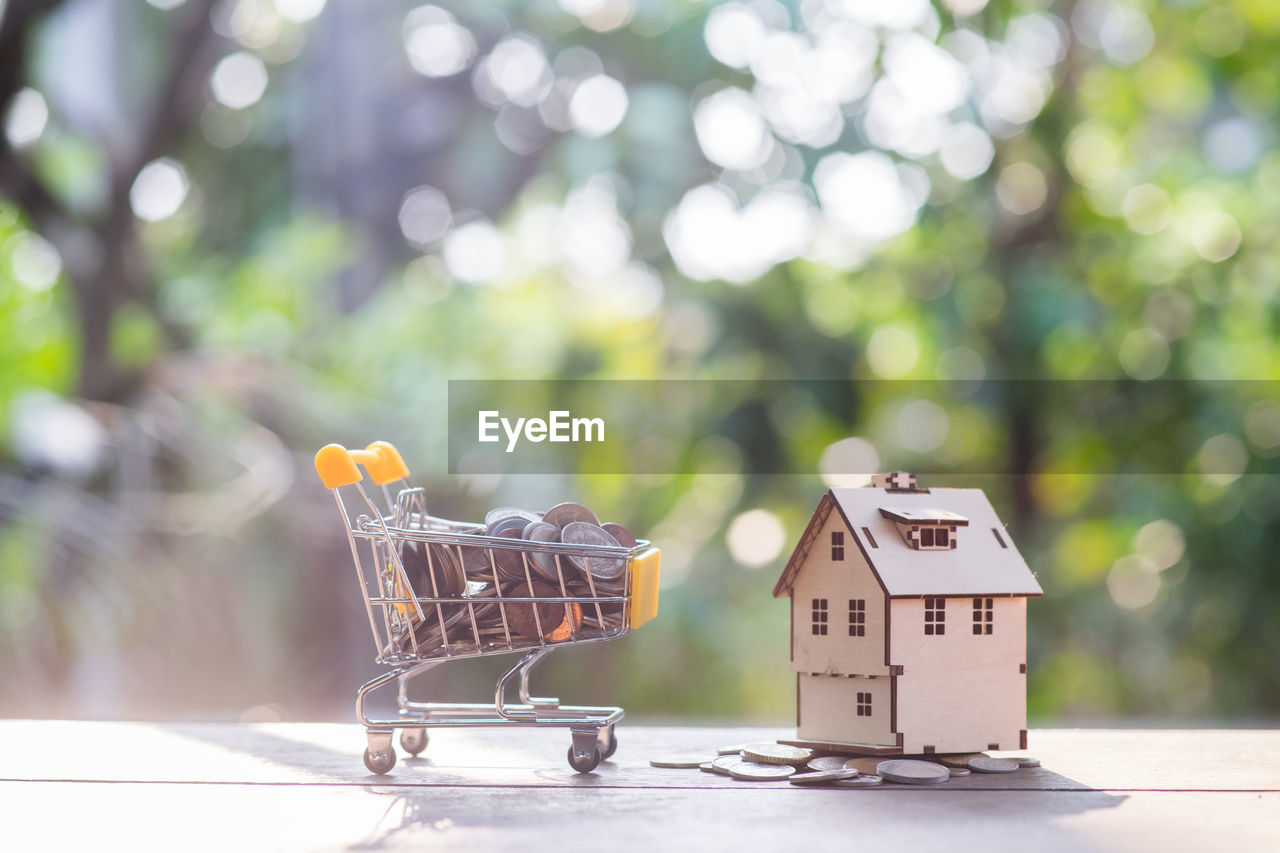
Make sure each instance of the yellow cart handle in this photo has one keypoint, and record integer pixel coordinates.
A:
(337, 466)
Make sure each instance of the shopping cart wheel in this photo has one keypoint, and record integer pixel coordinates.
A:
(584, 762)
(610, 745)
(413, 741)
(380, 762)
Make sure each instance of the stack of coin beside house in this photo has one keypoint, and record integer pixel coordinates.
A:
(776, 762)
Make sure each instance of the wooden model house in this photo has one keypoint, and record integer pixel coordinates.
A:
(908, 622)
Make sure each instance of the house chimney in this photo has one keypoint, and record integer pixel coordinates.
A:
(899, 481)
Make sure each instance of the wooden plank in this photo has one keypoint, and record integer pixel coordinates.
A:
(329, 754)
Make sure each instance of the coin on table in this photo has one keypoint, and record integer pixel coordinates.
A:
(582, 533)
(721, 764)
(1026, 761)
(754, 771)
(679, 762)
(567, 513)
(958, 759)
(776, 753)
(865, 765)
(622, 534)
(992, 765)
(707, 767)
(912, 772)
(731, 750)
(862, 780)
(827, 762)
(822, 777)
(957, 772)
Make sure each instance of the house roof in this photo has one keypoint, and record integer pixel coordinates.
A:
(923, 515)
(985, 560)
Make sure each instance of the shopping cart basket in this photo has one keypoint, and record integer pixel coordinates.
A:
(437, 590)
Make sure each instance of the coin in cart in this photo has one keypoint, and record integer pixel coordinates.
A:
(993, 765)
(567, 513)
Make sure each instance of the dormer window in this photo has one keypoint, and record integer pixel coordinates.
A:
(926, 529)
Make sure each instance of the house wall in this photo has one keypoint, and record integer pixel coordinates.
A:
(829, 710)
(821, 577)
(959, 692)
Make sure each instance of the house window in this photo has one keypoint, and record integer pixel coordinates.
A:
(982, 615)
(926, 537)
(820, 616)
(837, 545)
(857, 617)
(864, 704)
(935, 615)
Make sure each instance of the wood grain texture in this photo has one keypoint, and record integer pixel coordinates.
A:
(72, 785)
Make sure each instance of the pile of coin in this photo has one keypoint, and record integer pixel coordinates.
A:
(493, 584)
(774, 762)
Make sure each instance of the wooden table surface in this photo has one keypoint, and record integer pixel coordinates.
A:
(191, 786)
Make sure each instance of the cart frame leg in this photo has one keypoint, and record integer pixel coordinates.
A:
(526, 667)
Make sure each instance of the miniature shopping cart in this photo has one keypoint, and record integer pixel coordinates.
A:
(437, 590)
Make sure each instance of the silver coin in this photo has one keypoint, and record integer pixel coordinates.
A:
(707, 767)
(475, 561)
(912, 772)
(562, 515)
(501, 512)
(732, 750)
(828, 762)
(1026, 761)
(622, 534)
(754, 771)
(543, 561)
(681, 762)
(992, 765)
(721, 764)
(863, 780)
(821, 777)
(509, 522)
(776, 753)
(509, 561)
(450, 579)
(581, 533)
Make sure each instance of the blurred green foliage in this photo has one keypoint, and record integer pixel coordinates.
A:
(193, 566)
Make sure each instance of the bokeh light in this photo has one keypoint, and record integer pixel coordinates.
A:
(239, 80)
(159, 190)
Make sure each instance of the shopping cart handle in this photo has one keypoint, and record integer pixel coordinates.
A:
(337, 466)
